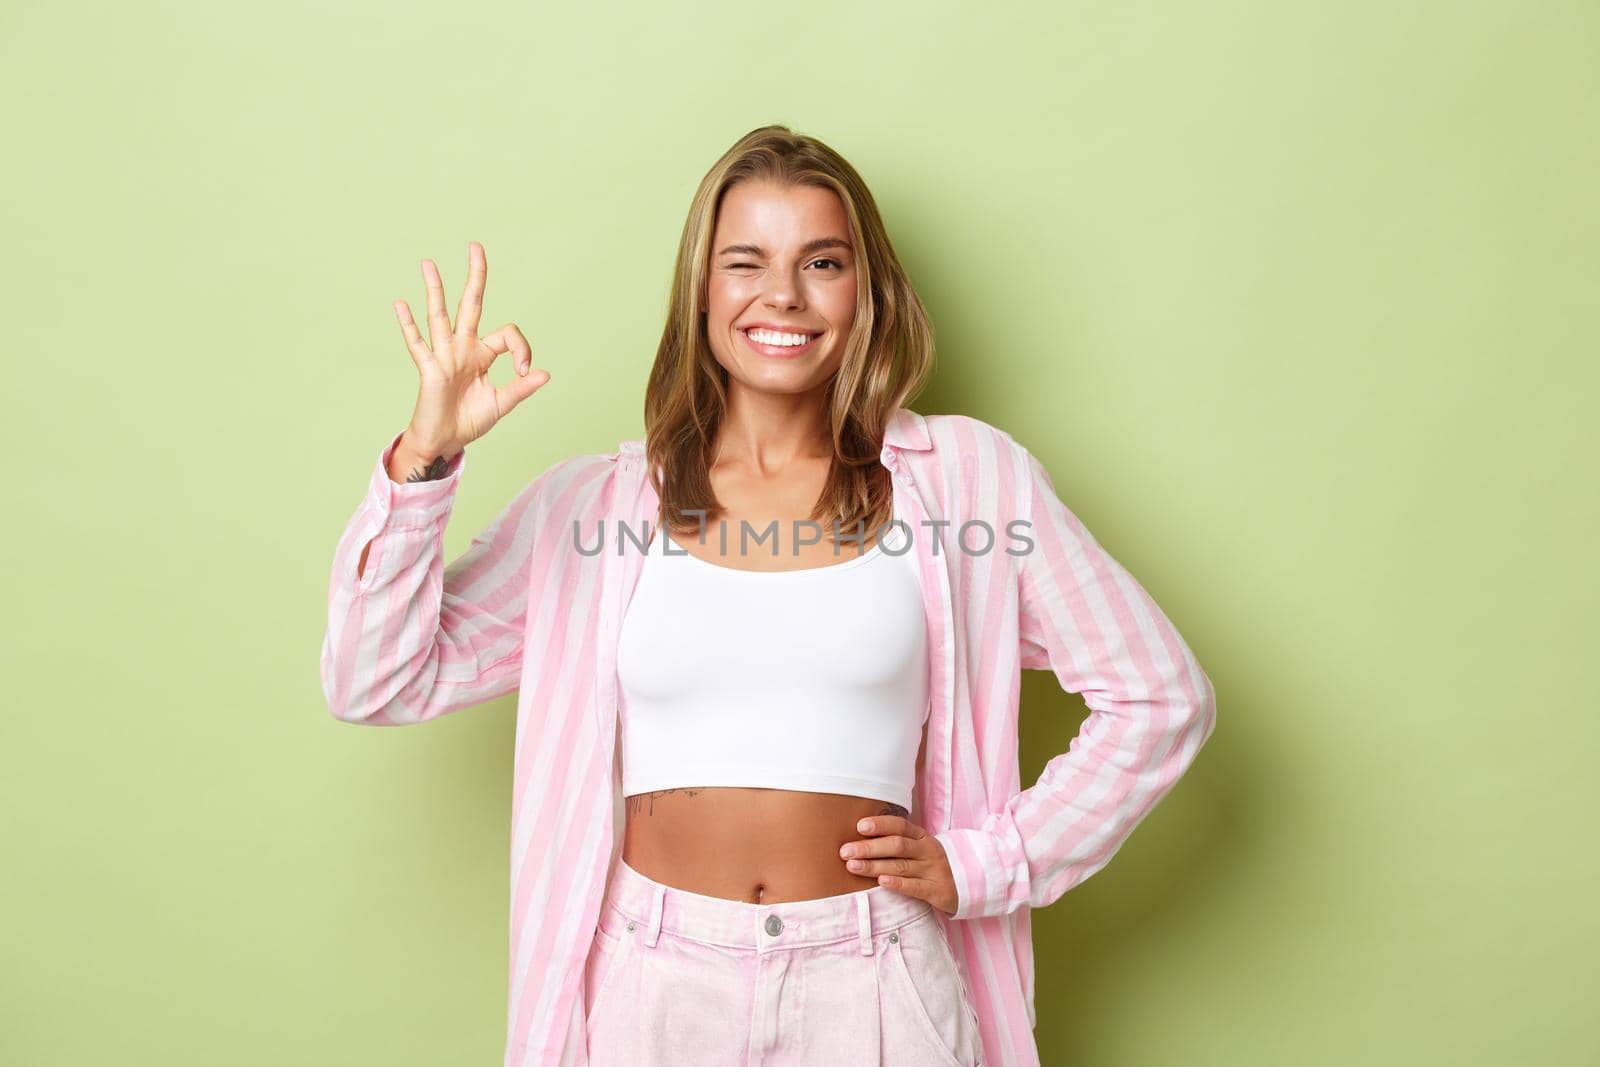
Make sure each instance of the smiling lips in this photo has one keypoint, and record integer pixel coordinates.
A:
(784, 344)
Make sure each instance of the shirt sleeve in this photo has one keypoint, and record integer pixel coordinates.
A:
(412, 638)
(1151, 708)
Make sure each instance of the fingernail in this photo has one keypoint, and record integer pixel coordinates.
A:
(856, 865)
(864, 825)
(846, 852)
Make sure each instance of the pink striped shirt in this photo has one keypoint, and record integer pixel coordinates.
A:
(532, 606)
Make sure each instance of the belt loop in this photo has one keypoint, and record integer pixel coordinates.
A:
(654, 929)
(864, 921)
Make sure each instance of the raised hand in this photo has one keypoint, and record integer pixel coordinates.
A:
(456, 403)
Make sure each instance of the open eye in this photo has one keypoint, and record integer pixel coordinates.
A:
(832, 264)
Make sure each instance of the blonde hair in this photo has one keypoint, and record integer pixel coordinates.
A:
(887, 359)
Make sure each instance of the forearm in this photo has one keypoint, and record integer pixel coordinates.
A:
(1052, 836)
(408, 464)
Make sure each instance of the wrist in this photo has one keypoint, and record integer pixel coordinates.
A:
(412, 464)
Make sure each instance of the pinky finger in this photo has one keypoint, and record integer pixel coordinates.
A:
(911, 887)
(414, 342)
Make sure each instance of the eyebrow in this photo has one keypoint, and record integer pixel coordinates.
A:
(805, 249)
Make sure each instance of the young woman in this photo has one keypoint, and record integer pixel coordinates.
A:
(770, 655)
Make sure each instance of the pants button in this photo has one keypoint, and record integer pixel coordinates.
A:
(774, 925)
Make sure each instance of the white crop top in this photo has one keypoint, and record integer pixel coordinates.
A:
(813, 679)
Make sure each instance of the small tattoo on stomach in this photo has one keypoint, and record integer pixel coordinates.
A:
(637, 801)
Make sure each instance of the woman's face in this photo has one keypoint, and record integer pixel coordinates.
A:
(781, 261)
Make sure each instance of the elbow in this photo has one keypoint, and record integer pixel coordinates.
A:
(1201, 720)
(358, 715)
(1188, 710)
(357, 704)
(345, 708)
(346, 700)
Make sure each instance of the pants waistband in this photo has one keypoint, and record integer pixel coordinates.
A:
(863, 914)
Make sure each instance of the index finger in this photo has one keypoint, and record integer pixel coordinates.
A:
(889, 824)
(471, 307)
(438, 321)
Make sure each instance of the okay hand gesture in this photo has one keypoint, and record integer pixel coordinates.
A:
(456, 402)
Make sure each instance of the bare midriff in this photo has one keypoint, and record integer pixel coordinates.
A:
(760, 846)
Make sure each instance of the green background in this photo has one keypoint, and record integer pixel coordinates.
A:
(1296, 301)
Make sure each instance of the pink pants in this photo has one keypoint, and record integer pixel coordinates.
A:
(862, 979)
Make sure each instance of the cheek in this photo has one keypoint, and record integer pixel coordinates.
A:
(723, 307)
(838, 302)
(726, 298)
(847, 310)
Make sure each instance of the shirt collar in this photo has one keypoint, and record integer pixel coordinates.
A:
(907, 430)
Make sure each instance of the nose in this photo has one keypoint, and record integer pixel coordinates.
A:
(783, 294)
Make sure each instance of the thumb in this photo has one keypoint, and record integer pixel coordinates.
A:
(520, 388)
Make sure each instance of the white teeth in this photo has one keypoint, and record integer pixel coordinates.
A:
(773, 337)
